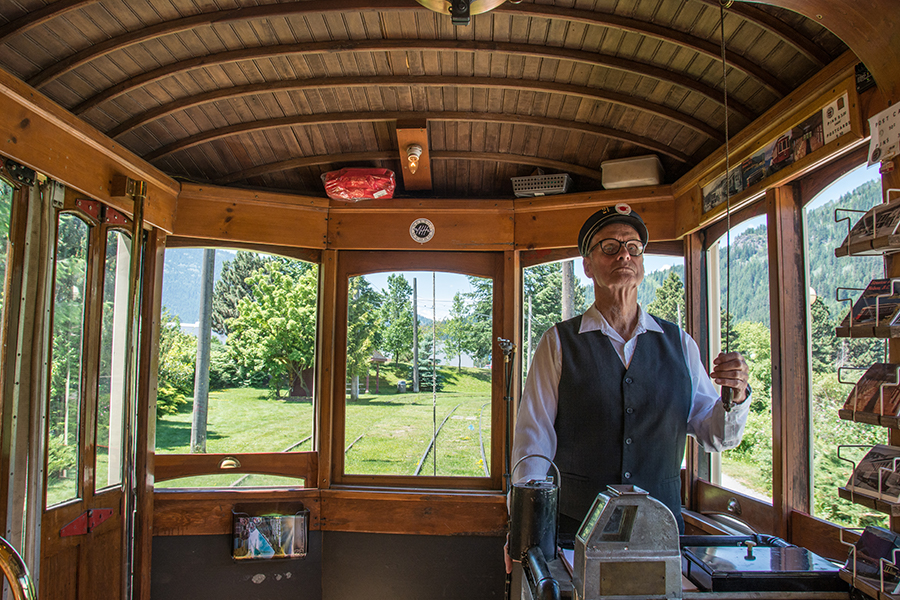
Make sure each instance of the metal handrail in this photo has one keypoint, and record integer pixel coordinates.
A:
(16, 572)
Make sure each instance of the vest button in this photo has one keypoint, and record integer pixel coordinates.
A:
(627, 440)
(629, 410)
(628, 380)
(627, 475)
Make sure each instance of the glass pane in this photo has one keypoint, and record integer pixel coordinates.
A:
(744, 328)
(256, 395)
(232, 481)
(111, 385)
(859, 190)
(401, 418)
(6, 195)
(64, 413)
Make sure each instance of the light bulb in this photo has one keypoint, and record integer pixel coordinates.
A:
(413, 152)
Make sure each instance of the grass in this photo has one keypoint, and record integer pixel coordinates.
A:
(386, 433)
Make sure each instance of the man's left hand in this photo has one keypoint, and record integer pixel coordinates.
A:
(731, 370)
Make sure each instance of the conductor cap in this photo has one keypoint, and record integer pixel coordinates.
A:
(620, 213)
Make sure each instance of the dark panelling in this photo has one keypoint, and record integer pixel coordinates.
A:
(200, 567)
(407, 567)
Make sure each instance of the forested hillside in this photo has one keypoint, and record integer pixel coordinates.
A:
(750, 265)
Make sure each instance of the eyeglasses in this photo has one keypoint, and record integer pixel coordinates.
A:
(611, 247)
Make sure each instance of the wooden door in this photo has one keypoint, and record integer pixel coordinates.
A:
(84, 547)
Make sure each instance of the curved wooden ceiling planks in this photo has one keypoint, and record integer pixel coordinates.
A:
(272, 95)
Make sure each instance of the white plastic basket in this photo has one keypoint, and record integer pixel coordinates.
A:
(541, 185)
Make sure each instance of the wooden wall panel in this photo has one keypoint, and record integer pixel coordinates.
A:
(208, 212)
(385, 224)
(41, 135)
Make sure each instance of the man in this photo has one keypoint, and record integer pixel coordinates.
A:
(612, 394)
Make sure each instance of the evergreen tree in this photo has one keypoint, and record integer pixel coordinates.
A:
(233, 286)
(363, 330)
(669, 301)
(426, 356)
(396, 318)
(823, 350)
(731, 338)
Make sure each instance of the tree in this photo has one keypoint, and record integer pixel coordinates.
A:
(177, 354)
(480, 343)
(428, 361)
(275, 329)
(731, 339)
(455, 330)
(669, 301)
(823, 342)
(396, 318)
(363, 329)
(232, 286)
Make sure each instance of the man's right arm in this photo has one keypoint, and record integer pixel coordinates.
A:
(535, 433)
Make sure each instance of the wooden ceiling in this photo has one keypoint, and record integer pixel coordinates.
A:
(271, 95)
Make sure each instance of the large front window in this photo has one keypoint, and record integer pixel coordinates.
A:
(236, 361)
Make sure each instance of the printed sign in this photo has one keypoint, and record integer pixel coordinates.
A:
(885, 128)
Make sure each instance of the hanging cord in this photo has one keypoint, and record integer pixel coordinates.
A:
(727, 392)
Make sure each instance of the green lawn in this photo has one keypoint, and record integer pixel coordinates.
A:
(387, 433)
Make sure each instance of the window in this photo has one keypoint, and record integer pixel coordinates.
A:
(67, 334)
(419, 351)
(743, 318)
(838, 362)
(253, 390)
(111, 397)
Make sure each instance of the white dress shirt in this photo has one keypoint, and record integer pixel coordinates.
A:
(715, 429)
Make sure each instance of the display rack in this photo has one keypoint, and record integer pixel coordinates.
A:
(870, 418)
(882, 241)
(870, 330)
(875, 501)
(875, 588)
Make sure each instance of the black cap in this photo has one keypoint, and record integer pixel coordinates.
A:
(620, 213)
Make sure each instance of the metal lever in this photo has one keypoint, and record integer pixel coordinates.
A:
(727, 398)
(750, 546)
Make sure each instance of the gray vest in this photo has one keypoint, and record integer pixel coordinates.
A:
(621, 426)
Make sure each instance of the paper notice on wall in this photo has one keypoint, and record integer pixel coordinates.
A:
(836, 118)
(885, 141)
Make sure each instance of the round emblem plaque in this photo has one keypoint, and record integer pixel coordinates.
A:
(421, 230)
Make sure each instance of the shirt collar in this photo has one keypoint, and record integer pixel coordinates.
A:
(593, 320)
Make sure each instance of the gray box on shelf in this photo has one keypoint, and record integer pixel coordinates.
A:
(541, 185)
(632, 172)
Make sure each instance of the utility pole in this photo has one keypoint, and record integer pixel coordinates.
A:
(201, 372)
(568, 289)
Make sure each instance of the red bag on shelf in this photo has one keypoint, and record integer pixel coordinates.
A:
(359, 184)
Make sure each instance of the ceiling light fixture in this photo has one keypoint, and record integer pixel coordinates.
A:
(413, 152)
(460, 10)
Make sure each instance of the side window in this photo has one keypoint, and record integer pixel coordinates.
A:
(418, 390)
(111, 397)
(67, 333)
(838, 362)
(247, 385)
(743, 318)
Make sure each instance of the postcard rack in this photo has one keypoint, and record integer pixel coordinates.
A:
(875, 588)
(876, 500)
(877, 417)
(880, 238)
(870, 329)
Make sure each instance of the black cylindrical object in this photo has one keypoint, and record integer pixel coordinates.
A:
(533, 518)
(537, 573)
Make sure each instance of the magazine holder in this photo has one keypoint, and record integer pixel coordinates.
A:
(270, 536)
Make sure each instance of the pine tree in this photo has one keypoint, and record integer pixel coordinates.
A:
(396, 317)
(669, 301)
(232, 286)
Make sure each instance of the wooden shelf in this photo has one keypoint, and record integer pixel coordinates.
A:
(870, 587)
(868, 331)
(871, 247)
(858, 416)
(883, 506)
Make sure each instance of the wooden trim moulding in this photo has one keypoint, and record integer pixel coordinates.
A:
(387, 512)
